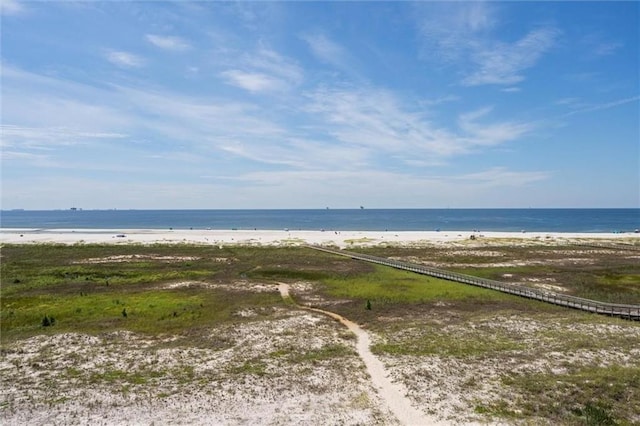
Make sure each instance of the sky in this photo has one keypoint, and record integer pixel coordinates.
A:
(261, 105)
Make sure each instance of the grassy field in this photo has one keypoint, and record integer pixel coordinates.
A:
(608, 275)
(507, 358)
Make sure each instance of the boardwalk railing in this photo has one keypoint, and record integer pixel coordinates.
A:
(631, 312)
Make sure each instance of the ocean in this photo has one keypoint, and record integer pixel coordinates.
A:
(530, 220)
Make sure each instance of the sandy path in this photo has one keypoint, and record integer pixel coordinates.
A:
(393, 394)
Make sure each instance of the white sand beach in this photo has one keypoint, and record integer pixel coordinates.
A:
(341, 239)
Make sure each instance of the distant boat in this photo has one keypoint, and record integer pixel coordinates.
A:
(361, 208)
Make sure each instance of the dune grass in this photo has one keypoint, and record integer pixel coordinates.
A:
(147, 311)
(593, 395)
(607, 275)
(57, 282)
(388, 285)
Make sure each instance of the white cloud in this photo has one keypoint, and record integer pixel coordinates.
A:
(252, 82)
(451, 29)
(511, 89)
(329, 51)
(48, 137)
(12, 7)
(197, 120)
(440, 100)
(567, 101)
(17, 156)
(461, 33)
(379, 121)
(488, 188)
(324, 48)
(503, 63)
(490, 134)
(42, 112)
(124, 59)
(604, 49)
(168, 42)
(263, 71)
(590, 108)
(598, 44)
(500, 176)
(343, 133)
(275, 64)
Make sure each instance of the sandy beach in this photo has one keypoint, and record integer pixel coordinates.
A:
(341, 239)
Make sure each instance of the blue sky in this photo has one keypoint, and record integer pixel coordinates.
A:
(320, 104)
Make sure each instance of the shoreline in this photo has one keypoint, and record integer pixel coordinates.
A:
(297, 237)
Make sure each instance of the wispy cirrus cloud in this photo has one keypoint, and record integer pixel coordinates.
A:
(375, 119)
(271, 62)
(462, 34)
(599, 45)
(263, 71)
(49, 137)
(173, 43)
(124, 59)
(12, 7)
(382, 122)
(490, 134)
(501, 176)
(43, 111)
(503, 63)
(330, 52)
(370, 126)
(253, 82)
(584, 108)
(479, 189)
(324, 48)
(451, 29)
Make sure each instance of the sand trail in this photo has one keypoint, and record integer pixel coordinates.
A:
(392, 394)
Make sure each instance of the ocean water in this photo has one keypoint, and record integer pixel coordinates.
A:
(531, 220)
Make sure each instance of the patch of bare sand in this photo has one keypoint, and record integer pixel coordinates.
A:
(261, 376)
(234, 286)
(453, 386)
(392, 394)
(136, 258)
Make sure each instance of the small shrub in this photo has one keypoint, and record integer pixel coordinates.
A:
(48, 321)
(595, 414)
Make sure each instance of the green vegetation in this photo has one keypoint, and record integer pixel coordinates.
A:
(394, 292)
(193, 295)
(586, 394)
(608, 275)
(54, 288)
(388, 285)
(148, 311)
(434, 342)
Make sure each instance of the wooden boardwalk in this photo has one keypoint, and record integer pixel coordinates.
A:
(630, 312)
